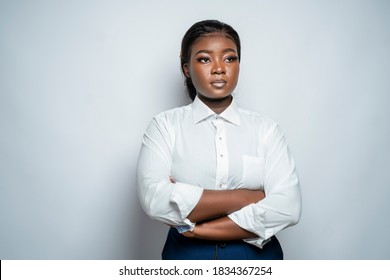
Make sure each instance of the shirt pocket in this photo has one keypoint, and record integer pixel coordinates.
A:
(253, 172)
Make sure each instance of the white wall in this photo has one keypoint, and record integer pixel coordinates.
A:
(80, 80)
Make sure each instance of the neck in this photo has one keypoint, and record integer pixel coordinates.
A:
(218, 105)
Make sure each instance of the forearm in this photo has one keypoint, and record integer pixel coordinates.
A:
(215, 203)
(223, 229)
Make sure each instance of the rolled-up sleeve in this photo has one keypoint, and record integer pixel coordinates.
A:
(281, 207)
(160, 198)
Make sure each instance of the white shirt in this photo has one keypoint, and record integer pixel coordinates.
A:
(202, 150)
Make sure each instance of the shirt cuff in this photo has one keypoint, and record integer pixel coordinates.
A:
(185, 197)
(251, 218)
(188, 226)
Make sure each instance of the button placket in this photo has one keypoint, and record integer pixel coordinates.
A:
(221, 153)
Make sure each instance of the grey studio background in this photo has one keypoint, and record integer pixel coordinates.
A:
(80, 81)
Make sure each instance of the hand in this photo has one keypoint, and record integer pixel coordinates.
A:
(189, 234)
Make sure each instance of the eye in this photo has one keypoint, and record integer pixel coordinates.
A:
(203, 60)
(230, 59)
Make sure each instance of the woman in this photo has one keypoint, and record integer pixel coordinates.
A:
(222, 177)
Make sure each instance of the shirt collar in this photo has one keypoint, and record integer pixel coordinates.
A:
(201, 111)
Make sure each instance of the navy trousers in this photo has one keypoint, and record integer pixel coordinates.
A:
(179, 247)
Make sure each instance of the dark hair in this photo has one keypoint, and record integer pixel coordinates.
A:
(202, 29)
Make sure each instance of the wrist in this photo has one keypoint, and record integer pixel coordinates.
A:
(199, 231)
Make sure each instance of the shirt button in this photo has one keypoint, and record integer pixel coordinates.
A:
(221, 155)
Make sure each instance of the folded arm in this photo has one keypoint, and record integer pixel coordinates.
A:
(217, 203)
(223, 229)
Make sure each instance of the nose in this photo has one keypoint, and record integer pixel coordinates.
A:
(218, 68)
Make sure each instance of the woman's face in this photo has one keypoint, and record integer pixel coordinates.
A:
(213, 66)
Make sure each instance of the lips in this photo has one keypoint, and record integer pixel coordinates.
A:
(218, 83)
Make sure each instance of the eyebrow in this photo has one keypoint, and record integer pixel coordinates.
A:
(209, 51)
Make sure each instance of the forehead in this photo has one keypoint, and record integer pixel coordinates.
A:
(213, 42)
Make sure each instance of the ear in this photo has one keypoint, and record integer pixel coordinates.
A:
(186, 70)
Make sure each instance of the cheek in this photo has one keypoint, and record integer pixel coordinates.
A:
(198, 74)
(234, 78)
(234, 72)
